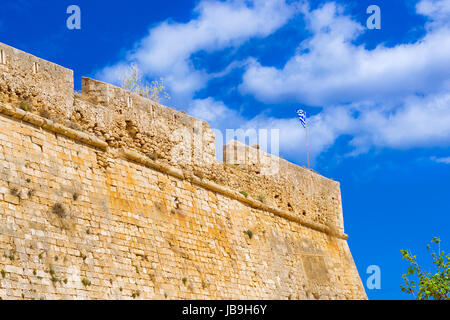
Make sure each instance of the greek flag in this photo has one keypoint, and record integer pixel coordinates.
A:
(302, 117)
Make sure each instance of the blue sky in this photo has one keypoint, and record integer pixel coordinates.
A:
(378, 101)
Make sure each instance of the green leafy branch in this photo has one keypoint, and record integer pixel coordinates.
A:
(429, 286)
(133, 82)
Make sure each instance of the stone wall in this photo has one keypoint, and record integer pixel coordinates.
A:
(32, 83)
(321, 202)
(107, 195)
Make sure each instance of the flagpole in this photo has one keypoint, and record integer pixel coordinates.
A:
(306, 136)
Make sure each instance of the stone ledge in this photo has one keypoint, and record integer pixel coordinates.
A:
(180, 174)
(52, 126)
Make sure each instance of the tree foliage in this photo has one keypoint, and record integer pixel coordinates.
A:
(427, 285)
(133, 81)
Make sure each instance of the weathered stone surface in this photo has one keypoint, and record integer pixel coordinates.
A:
(11, 199)
(107, 195)
(25, 78)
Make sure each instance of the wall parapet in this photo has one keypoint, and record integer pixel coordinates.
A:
(40, 83)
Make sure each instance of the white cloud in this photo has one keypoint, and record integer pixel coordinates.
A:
(219, 25)
(323, 129)
(167, 49)
(328, 68)
(436, 10)
(113, 74)
(216, 113)
(395, 97)
(441, 160)
(420, 122)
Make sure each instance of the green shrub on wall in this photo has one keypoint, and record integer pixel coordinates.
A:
(133, 82)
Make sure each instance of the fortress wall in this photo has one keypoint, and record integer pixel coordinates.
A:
(135, 230)
(108, 188)
(124, 119)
